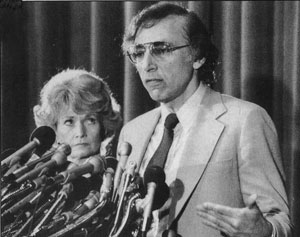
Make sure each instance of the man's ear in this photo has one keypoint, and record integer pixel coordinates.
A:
(198, 63)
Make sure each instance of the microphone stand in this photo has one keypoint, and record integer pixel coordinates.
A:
(128, 177)
(34, 217)
(11, 216)
(27, 187)
(81, 220)
(62, 196)
(126, 218)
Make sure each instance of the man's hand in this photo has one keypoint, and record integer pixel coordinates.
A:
(236, 222)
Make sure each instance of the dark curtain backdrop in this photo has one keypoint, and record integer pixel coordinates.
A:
(259, 54)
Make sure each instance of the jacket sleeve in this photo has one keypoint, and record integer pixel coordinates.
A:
(261, 170)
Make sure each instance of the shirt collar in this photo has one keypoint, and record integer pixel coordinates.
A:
(188, 111)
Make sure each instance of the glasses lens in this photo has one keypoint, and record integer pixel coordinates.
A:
(136, 52)
(158, 49)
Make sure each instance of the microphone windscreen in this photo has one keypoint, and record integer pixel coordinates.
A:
(124, 149)
(162, 194)
(98, 163)
(111, 162)
(154, 174)
(46, 137)
(61, 153)
(82, 187)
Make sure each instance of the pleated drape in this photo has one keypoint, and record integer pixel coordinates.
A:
(135, 99)
(259, 62)
(290, 119)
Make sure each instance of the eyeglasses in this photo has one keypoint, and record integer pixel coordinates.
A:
(159, 50)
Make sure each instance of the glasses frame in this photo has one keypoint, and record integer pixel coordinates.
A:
(150, 46)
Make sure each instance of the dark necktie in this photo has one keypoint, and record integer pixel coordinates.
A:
(160, 156)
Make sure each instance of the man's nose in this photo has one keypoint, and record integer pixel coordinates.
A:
(148, 63)
(80, 130)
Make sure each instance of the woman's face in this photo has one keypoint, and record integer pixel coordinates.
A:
(81, 132)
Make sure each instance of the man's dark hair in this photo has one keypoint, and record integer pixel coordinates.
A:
(196, 32)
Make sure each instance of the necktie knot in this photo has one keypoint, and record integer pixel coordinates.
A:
(171, 121)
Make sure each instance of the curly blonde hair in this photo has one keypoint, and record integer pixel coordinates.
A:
(85, 92)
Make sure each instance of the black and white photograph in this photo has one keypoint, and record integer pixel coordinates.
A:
(150, 118)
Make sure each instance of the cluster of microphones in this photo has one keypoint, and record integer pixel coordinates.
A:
(43, 194)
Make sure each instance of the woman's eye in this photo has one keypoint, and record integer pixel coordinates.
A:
(92, 120)
(68, 122)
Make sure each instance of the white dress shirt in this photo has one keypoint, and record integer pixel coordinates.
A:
(187, 117)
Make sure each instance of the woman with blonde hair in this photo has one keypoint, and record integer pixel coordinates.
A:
(79, 106)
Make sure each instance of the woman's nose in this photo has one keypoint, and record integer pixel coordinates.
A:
(80, 130)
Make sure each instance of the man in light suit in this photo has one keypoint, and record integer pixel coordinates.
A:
(223, 168)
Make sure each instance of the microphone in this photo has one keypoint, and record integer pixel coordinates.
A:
(4, 154)
(10, 177)
(10, 171)
(42, 137)
(25, 189)
(94, 165)
(128, 176)
(90, 202)
(72, 191)
(134, 191)
(23, 203)
(137, 186)
(59, 158)
(33, 197)
(69, 216)
(111, 162)
(7, 152)
(106, 184)
(156, 174)
(123, 153)
(157, 193)
(61, 198)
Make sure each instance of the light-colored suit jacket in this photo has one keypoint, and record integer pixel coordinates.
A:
(232, 153)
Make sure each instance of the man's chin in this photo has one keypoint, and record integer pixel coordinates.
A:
(158, 97)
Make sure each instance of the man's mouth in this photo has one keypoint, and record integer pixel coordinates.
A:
(152, 79)
(153, 82)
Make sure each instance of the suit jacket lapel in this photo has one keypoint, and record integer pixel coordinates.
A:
(142, 135)
(198, 149)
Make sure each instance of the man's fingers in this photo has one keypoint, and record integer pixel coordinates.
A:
(216, 222)
(219, 209)
(216, 215)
